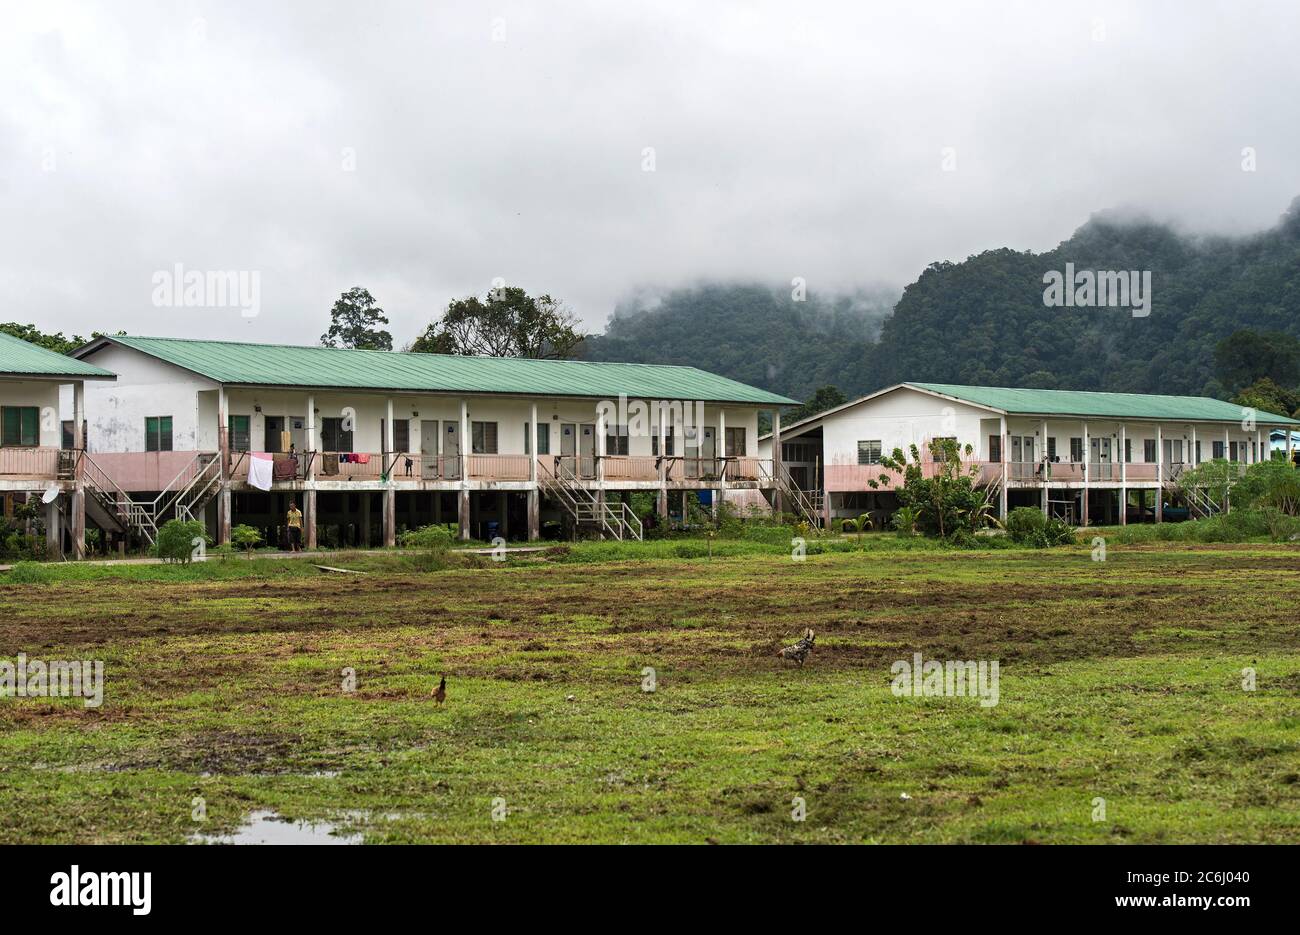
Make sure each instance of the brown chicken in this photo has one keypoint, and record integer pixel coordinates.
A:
(440, 693)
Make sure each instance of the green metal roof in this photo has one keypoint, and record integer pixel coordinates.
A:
(21, 358)
(328, 367)
(1100, 405)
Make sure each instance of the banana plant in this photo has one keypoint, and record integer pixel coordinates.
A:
(859, 525)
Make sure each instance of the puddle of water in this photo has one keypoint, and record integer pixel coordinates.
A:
(267, 827)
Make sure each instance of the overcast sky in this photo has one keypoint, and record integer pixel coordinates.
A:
(423, 149)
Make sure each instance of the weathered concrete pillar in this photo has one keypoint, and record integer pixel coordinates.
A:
(778, 499)
(534, 515)
(1087, 472)
(1160, 475)
(1003, 454)
(462, 511)
(223, 453)
(390, 518)
(53, 530)
(365, 518)
(79, 476)
(1047, 469)
(1123, 474)
(503, 515)
(309, 518)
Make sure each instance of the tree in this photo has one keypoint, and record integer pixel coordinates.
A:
(354, 320)
(54, 341)
(1246, 356)
(825, 397)
(245, 537)
(947, 502)
(1266, 396)
(506, 323)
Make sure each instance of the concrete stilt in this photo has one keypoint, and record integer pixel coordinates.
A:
(309, 518)
(534, 515)
(390, 518)
(462, 512)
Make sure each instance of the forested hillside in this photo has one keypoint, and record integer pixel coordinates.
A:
(983, 320)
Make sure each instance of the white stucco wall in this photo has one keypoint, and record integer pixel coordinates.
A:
(44, 395)
(116, 410)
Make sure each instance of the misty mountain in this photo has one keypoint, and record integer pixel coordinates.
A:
(754, 333)
(984, 321)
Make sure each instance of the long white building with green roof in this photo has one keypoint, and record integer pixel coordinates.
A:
(1087, 457)
(368, 443)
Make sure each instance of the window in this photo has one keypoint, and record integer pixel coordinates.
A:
(158, 433)
(797, 451)
(401, 435)
(941, 454)
(543, 439)
(334, 437)
(68, 440)
(869, 452)
(995, 449)
(668, 444)
(616, 440)
(484, 438)
(736, 442)
(1128, 451)
(239, 433)
(21, 426)
(1149, 450)
(1076, 450)
(1236, 451)
(1051, 449)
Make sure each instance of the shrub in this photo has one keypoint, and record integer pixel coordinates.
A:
(436, 538)
(245, 537)
(176, 540)
(1025, 523)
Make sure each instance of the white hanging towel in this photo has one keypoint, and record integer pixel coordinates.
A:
(260, 467)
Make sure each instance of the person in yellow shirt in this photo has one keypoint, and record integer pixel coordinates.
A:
(295, 528)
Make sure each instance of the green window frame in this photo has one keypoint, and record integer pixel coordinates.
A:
(240, 432)
(158, 433)
(20, 426)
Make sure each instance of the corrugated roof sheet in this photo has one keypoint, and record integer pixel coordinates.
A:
(1100, 405)
(20, 358)
(289, 365)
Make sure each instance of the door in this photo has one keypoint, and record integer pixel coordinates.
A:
(451, 450)
(709, 452)
(587, 450)
(271, 440)
(568, 447)
(298, 433)
(691, 451)
(429, 449)
(1173, 456)
(1099, 457)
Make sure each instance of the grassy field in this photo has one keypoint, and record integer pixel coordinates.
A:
(1120, 680)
